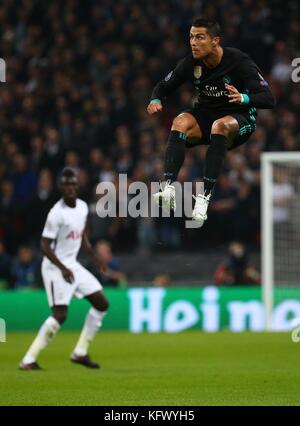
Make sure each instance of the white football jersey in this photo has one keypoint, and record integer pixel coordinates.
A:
(65, 225)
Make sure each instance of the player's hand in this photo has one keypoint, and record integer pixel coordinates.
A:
(154, 107)
(234, 95)
(68, 275)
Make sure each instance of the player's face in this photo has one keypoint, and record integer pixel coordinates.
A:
(202, 43)
(69, 188)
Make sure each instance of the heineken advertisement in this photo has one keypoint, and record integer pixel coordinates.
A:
(155, 310)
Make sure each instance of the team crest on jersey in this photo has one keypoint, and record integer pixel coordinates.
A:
(197, 71)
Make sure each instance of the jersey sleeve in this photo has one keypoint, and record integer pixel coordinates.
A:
(171, 82)
(52, 225)
(257, 88)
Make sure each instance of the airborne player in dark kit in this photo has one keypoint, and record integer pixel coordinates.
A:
(230, 88)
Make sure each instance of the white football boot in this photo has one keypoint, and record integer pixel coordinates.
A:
(200, 208)
(166, 197)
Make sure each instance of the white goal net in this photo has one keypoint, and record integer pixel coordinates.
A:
(280, 225)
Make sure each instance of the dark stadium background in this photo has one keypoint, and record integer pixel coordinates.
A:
(79, 76)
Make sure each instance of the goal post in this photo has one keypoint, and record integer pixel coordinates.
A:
(280, 218)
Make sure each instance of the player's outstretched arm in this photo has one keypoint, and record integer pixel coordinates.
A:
(166, 86)
(48, 252)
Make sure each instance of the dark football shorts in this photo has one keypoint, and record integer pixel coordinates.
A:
(205, 119)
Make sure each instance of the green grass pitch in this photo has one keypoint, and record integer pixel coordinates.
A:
(190, 368)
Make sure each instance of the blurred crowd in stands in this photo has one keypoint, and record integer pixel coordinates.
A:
(79, 75)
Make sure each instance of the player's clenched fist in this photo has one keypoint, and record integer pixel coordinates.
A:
(154, 106)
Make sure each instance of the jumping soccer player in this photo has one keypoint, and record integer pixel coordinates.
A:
(230, 88)
(63, 235)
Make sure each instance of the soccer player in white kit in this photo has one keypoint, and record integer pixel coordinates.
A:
(63, 235)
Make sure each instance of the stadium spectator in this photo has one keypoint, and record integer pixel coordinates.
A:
(162, 280)
(9, 216)
(236, 270)
(283, 194)
(24, 269)
(112, 274)
(223, 207)
(23, 179)
(5, 266)
(39, 205)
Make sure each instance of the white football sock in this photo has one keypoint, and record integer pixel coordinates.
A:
(92, 324)
(43, 338)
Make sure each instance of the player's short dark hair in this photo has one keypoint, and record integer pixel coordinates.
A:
(67, 172)
(213, 27)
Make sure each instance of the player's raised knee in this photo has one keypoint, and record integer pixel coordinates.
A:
(220, 127)
(182, 123)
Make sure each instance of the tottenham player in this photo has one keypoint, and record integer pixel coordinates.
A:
(63, 235)
(230, 88)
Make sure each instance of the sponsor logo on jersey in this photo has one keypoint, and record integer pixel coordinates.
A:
(214, 91)
(74, 235)
(197, 71)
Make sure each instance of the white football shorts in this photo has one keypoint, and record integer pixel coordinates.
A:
(60, 292)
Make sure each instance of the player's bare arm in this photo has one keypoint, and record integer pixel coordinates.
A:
(47, 251)
(165, 87)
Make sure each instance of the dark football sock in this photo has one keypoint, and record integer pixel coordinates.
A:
(175, 154)
(214, 160)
